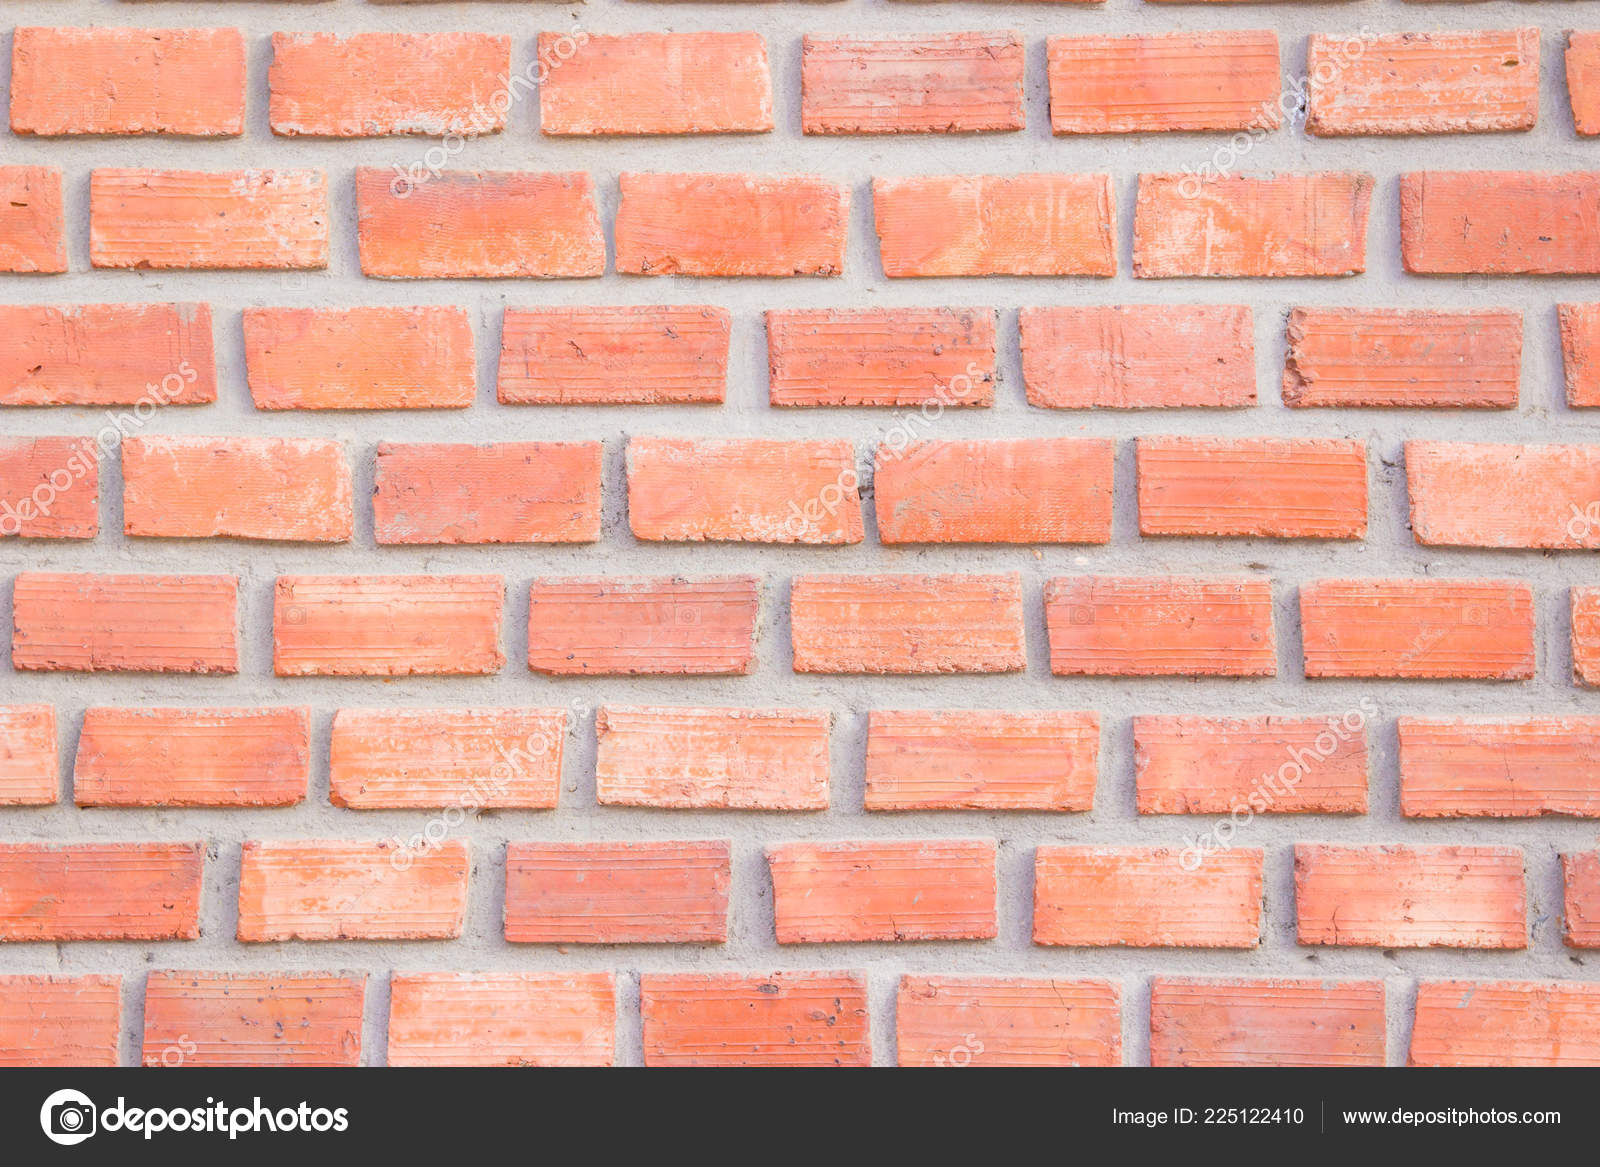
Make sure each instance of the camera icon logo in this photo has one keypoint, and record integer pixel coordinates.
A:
(68, 1117)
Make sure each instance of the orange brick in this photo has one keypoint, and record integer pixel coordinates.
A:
(1410, 897)
(1459, 767)
(386, 626)
(359, 358)
(469, 758)
(245, 219)
(1146, 897)
(1250, 225)
(618, 893)
(633, 625)
(1007, 1021)
(478, 224)
(508, 492)
(1423, 83)
(1417, 628)
(882, 356)
(957, 82)
(743, 490)
(888, 890)
(981, 760)
(1139, 356)
(125, 623)
(107, 354)
(192, 757)
(735, 1019)
(67, 1022)
(49, 488)
(252, 1019)
(630, 355)
(992, 225)
(703, 759)
(1585, 607)
(27, 758)
(305, 889)
(377, 83)
(731, 225)
(128, 81)
(907, 623)
(1161, 626)
(1499, 222)
(1470, 494)
(1267, 1023)
(1506, 1023)
(1284, 488)
(100, 891)
(1583, 80)
(1182, 81)
(502, 1019)
(655, 83)
(32, 222)
(1580, 353)
(1408, 359)
(1038, 490)
(1580, 874)
(1252, 765)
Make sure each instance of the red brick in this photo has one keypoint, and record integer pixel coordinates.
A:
(66, 1022)
(1417, 628)
(100, 891)
(1585, 614)
(655, 83)
(1583, 80)
(32, 222)
(386, 626)
(1182, 81)
(1580, 353)
(907, 623)
(637, 625)
(128, 81)
(377, 83)
(1500, 222)
(1506, 1023)
(1139, 356)
(1253, 765)
(1146, 897)
(49, 488)
(107, 354)
(1410, 897)
(630, 355)
(882, 356)
(1404, 358)
(1460, 767)
(27, 757)
(478, 224)
(1160, 626)
(359, 358)
(1251, 225)
(1284, 488)
(125, 623)
(743, 490)
(1469, 494)
(735, 1019)
(305, 889)
(502, 1019)
(1266, 1023)
(252, 1019)
(1581, 876)
(703, 759)
(991, 225)
(1007, 1021)
(731, 225)
(981, 759)
(887, 890)
(508, 492)
(192, 757)
(1423, 83)
(244, 219)
(618, 893)
(957, 82)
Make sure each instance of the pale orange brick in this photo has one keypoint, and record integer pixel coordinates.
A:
(1583, 80)
(958, 82)
(1506, 1023)
(990, 225)
(192, 757)
(1283, 488)
(1580, 353)
(882, 356)
(630, 355)
(252, 1019)
(306, 889)
(1417, 628)
(1007, 1021)
(696, 758)
(125, 623)
(789, 1019)
(1147, 897)
(1580, 873)
(107, 354)
(960, 759)
(1160, 626)
(1459, 767)
(386, 626)
(1478, 494)
(508, 492)
(1500, 222)
(502, 1019)
(618, 893)
(633, 625)
(1271, 1024)
(32, 221)
(888, 890)
(67, 1022)
(49, 488)
(907, 624)
(1585, 609)
(100, 891)
(27, 756)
